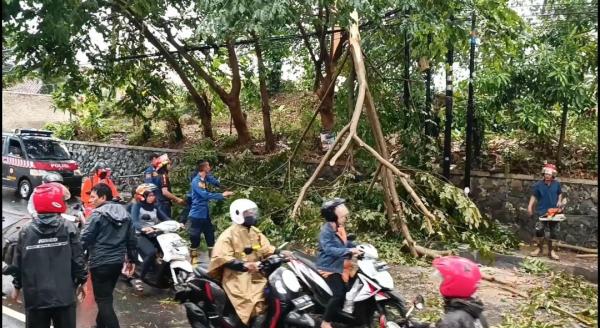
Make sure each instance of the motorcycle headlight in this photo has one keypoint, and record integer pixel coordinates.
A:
(290, 281)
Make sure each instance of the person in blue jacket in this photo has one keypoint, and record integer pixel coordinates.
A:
(199, 213)
(210, 179)
(150, 169)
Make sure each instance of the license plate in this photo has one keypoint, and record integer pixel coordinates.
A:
(302, 302)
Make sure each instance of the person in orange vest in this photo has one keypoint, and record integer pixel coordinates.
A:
(101, 174)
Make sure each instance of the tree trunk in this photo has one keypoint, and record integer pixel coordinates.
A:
(170, 60)
(264, 98)
(326, 109)
(563, 130)
(239, 121)
(205, 114)
(448, 128)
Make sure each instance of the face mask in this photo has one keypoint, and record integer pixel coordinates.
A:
(249, 221)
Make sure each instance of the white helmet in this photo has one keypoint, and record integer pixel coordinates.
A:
(238, 207)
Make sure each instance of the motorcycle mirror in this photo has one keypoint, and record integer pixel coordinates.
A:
(351, 237)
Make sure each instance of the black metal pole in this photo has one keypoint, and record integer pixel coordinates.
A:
(429, 119)
(406, 95)
(470, 107)
(448, 126)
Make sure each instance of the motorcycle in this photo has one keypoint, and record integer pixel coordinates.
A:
(371, 301)
(173, 266)
(208, 306)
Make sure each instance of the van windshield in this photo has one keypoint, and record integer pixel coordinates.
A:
(46, 149)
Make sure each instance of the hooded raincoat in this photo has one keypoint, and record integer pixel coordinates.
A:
(109, 235)
(245, 290)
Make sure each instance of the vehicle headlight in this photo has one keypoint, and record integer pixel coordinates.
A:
(37, 173)
(290, 281)
(77, 172)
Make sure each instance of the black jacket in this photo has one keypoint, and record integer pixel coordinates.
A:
(109, 235)
(49, 262)
(463, 313)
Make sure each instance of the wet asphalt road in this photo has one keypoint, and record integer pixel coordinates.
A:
(153, 308)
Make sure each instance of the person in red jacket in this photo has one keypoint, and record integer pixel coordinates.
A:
(101, 174)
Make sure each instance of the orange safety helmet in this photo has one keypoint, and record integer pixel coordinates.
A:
(161, 161)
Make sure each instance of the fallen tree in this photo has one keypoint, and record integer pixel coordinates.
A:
(388, 172)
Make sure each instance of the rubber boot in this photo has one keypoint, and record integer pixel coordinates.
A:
(551, 252)
(194, 256)
(540, 250)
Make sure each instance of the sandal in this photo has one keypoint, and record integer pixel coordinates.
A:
(138, 285)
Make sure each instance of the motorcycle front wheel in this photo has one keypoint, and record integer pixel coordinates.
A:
(387, 315)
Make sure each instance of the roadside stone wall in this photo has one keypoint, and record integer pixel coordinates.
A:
(505, 198)
(126, 162)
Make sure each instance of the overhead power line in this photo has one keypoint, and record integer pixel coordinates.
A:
(387, 16)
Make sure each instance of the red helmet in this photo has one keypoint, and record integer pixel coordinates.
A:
(49, 198)
(460, 276)
(550, 169)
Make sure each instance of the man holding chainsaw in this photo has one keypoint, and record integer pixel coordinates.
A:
(546, 197)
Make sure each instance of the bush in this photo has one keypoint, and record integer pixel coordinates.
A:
(63, 130)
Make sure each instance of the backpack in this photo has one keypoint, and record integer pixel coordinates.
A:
(9, 250)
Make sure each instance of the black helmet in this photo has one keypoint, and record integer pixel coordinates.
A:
(52, 177)
(328, 209)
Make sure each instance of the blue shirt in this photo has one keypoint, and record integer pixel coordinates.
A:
(210, 179)
(546, 195)
(332, 250)
(148, 174)
(201, 196)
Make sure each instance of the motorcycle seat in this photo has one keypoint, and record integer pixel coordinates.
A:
(201, 271)
(306, 259)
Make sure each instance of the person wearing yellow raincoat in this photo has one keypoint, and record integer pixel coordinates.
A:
(235, 259)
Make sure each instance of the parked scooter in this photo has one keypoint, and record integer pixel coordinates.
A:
(172, 267)
(371, 301)
(207, 305)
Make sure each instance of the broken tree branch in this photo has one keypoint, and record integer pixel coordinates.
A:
(586, 255)
(572, 315)
(381, 160)
(577, 248)
(317, 171)
(508, 286)
(428, 216)
(375, 176)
